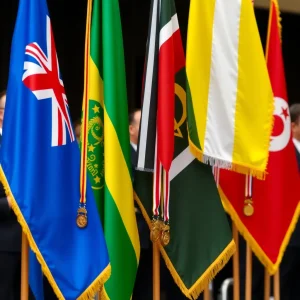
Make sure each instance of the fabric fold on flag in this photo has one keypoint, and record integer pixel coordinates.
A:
(40, 163)
(227, 77)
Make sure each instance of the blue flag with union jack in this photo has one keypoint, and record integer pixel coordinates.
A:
(40, 163)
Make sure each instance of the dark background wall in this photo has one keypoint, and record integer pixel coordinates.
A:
(68, 20)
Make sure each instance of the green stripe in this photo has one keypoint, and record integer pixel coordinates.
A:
(121, 253)
(193, 133)
(168, 10)
(96, 36)
(115, 94)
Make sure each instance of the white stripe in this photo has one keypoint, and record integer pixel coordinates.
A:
(250, 186)
(168, 30)
(36, 55)
(147, 92)
(220, 123)
(54, 142)
(44, 94)
(166, 216)
(180, 163)
(154, 179)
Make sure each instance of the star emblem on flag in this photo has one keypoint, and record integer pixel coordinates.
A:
(285, 112)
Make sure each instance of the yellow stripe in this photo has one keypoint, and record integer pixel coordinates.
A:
(95, 85)
(198, 62)
(258, 251)
(254, 98)
(118, 181)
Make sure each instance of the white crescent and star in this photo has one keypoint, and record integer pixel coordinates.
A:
(281, 112)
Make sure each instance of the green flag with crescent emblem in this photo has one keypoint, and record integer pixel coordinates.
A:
(201, 240)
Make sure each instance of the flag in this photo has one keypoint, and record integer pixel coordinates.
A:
(105, 146)
(227, 78)
(40, 163)
(194, 254)
(201, 240)
(165, 56)
(274, 202)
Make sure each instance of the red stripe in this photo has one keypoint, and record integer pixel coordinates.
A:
(171, 59)
(166, 104)
(28, 51)
(178, 50)
(274, 57)
(37, 48)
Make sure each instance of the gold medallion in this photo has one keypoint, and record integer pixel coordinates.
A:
(248, 207)
(155, 230)
(165, 235)
(81, 219)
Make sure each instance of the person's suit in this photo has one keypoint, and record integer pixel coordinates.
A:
(290, 266)
(143, 283)
(298, 158)
(10, 250)
(143, 228)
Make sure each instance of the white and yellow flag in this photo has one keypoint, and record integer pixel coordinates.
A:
(230, 100)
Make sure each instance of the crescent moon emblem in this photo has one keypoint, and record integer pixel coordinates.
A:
(279, 142)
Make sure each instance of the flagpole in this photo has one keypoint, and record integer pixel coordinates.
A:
(24, 268)
(267, 285)
(156, 271)
(248, 292)
(236, 267)
(206, 293)
(276, 286)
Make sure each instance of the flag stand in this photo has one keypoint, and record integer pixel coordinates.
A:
(156, 271)
(248, 294)
(267, 285)
(24, 268)
(236, 267)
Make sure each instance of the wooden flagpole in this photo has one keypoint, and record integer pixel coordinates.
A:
(267, 284)
(24, 268)
(206, 293)
(156, 271)
(236, 265)
(248, 292)
(277, 286)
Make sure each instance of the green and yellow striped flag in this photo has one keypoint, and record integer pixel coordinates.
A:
(105, 143)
